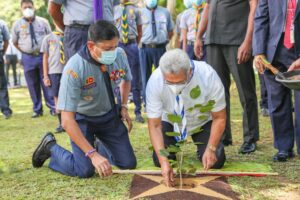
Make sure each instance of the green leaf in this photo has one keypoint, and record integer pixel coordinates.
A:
(180, 143)
(151, 148)
(173, 149)
(195, 130)
(202, 117)
(192, 171)
(199, 143)
(190, 109)
(174, 118)
(211, 102)
(198, 106)
(206, 108)
(172, 134)
(164, 153)
(195, 92)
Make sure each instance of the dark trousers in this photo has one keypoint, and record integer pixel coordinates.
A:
(4, 99)
(74, 39)
(280, 103)
(191, 53)
(33, 71)
(148, 58)
(115, 146)
(11, 61)
(263, 92)
(132, 53)
(202, 137)
(223, 58)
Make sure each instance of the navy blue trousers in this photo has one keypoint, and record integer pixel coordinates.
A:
(115, 146)
(263, 92)
(281, 112)
(33, 71)
(4, 99)
(74, 39)
(148, 58)
(132, 53)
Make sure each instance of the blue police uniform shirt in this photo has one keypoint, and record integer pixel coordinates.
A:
(164, 25)
(81, 12)
(4, 34)
(83, 88)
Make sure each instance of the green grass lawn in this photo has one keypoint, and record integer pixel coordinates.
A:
(20, 135)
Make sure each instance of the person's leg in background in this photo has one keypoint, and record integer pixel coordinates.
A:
(4, 98)
(280, 109)
(216, 59)
(14, 62)
(7, 67)
(297, 120)
(244, 77)
(264, 96)
(132, 53)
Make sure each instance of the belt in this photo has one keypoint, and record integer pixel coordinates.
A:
(79, 26)
(189, 42)
(33, 54)
(130, 41)
(154, 45)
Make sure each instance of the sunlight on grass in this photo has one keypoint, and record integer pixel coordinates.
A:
(20, 135)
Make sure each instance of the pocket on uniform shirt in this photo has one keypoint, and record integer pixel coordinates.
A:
(163, 25)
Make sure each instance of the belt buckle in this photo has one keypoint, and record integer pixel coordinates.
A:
(152, 45)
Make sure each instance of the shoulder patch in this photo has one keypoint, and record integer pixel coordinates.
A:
(72, 73)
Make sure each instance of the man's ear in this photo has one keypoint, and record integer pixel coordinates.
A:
(90, 45)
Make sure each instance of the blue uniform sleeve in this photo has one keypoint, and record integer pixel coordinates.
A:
(170, 25)
(45, 45)
(128, 75)
(70, 87)
(5, 32)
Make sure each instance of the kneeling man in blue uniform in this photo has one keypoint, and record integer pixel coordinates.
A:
(90, 81)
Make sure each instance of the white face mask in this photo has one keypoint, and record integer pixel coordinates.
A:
(177, 89)
(28, 13)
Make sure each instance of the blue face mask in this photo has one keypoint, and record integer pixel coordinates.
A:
(187, 3)
(151, 3)
(108, 57)
(198, 2)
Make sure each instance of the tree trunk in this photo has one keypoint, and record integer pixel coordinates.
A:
(171, 4)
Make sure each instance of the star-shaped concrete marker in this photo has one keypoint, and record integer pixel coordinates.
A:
(199, 188)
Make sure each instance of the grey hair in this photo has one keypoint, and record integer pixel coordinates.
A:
(174, 61)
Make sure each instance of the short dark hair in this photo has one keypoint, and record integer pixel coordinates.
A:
(102, 30)
(26, 1)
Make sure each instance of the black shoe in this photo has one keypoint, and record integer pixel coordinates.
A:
(281, 156)
(59, 129)
(52, 112)
(247, 148)
(36, 115)
(139, 118)
(265, 112)
(227, 143)
(7, 116)
(42, 152)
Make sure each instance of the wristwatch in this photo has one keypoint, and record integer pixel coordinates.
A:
(124, 106)
(211, 147)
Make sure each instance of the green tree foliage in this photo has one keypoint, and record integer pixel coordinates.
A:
(10, 10)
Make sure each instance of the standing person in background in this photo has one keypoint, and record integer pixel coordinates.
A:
(53, 64)
(11, 60)
(129, 24)
(187, 4)
(4, 99)
(277, 44)
(189, 25)
(229, 33)
(78, 15)
(264, 96)
(27, 35)
(157, 29)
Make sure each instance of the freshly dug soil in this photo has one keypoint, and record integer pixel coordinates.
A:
(141, 184)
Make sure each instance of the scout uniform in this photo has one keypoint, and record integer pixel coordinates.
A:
(29, 36)
(156, 25)
(87, 91)
(4, 99)
(190, 21)
(127, 18)
(78, 16)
